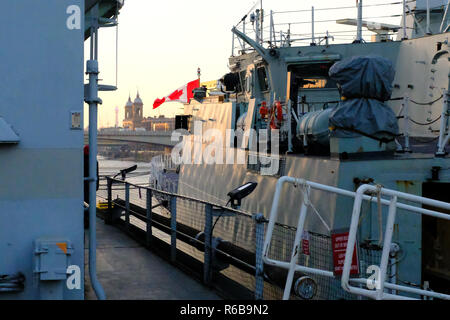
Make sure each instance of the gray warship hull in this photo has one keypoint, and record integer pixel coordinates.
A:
(421, 74)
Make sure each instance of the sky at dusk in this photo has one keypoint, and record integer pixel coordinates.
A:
(162, 43)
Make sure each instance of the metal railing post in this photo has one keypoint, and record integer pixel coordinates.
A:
(261, 25)
(404, 37)
(289, 119)
(208, 245)
(288, 36)
(259, 266)
(257, 31)
(295, 248)
(444, 18)
(313, 40)
(109, 218)
(243, 31)
(359, 22)
(395, 248)
(149, 217)
(232, 44)
(387, 246)
(271, 28)
(173, 229)
(127, 206)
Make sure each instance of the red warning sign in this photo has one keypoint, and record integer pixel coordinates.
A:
(339, 239)
(305, 243)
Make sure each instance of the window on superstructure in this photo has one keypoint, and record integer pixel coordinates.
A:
(248, 84)
(262, 79)
(241, 81)
(310, 87)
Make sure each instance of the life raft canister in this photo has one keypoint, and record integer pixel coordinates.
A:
(276, 115)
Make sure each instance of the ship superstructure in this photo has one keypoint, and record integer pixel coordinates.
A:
(275, 84)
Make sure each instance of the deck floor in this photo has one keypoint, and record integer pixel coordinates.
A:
(128, 271)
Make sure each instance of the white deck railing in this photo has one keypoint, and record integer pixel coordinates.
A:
(393, 204)
(311, 26)
(359, 196)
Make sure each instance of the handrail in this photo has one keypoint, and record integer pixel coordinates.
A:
(200, 237)
(282, 38)
(292, 266)
(215, 205)
(394, 195)
(346, 7)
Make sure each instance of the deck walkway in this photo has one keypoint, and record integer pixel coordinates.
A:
(128, 271)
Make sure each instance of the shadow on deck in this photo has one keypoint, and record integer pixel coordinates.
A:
(128, 271)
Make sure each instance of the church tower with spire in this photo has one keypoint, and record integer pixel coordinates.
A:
(128, 121)
(134, 113)
(138, 111)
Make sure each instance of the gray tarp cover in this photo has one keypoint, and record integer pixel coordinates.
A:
(365, 81)
(370, 116)
(364, 77)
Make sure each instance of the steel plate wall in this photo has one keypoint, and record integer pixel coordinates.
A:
(41, 177)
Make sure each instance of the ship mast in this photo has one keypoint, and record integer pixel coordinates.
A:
(261, 37)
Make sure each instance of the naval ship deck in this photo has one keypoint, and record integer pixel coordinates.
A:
(128, 271)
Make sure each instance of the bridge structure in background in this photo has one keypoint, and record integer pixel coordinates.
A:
(162, 138)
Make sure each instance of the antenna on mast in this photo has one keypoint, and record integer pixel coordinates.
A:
(261, 37)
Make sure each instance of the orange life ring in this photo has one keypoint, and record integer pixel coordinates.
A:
(276, 115)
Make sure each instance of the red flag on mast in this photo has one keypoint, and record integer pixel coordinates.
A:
(183, 94)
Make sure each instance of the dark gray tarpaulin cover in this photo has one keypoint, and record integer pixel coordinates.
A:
(364, 77)
(366, 81)
(368, 116)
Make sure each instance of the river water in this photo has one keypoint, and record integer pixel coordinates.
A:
(111, 167)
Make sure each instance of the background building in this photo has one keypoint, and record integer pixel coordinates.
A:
(134, 118)
(133, 113)
(160, 123)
